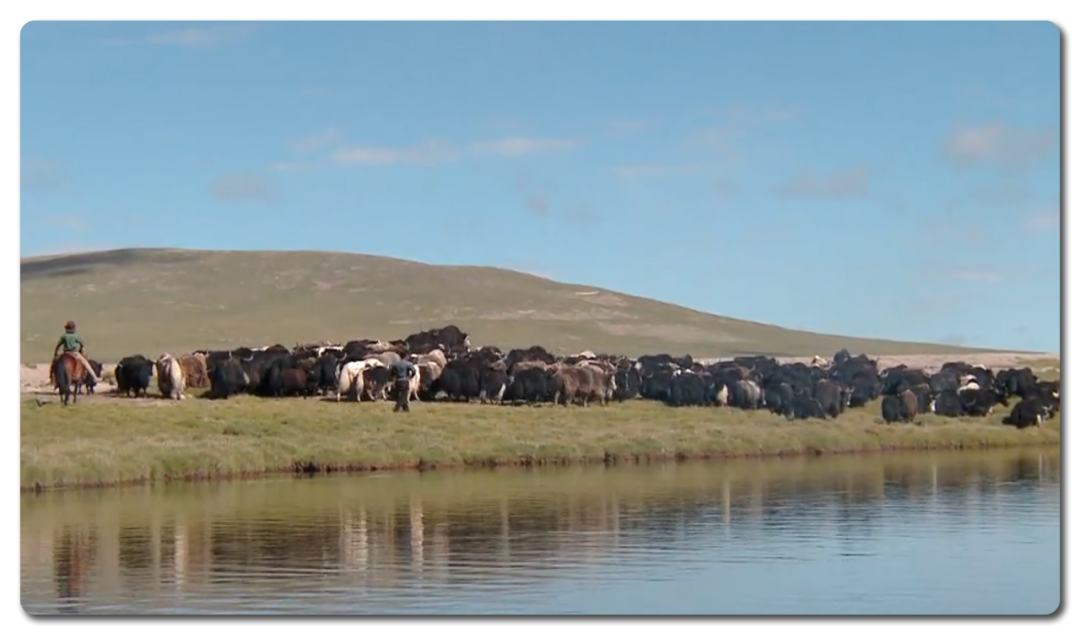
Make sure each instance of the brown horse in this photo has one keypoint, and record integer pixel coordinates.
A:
(67, 372)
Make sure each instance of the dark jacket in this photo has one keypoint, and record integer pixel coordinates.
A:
(402, 370)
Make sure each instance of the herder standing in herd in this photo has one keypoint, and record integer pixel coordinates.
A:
(402, 370)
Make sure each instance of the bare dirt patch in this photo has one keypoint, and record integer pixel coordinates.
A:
(34, 379)
(992, 360)
(45, 397)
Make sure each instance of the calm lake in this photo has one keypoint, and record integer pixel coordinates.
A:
(915, 533)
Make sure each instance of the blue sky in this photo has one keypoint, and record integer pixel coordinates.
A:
(896, 180)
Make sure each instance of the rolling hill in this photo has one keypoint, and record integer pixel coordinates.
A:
(151, 301)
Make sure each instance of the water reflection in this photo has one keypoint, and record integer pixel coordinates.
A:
(76, 549)
(456, 542)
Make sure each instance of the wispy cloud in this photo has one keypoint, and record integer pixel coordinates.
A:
(432, 152)
(581, 213)
(536, 197)
(978, 96)
(717, 142)
(731, 123)
(999, 144)
(768, 115)
(329, 136)
(316, 91)
(724, 188)
(718, 137)
(944, 229)
(43, 176)
(1045, 219)
(639, 171)
(537, 205)
(242, 187)
(198, 37)
(521, 146)
(973, 275)
(505, 124)
(750, 115)
(1002, 194)
(538, 201)
(427, 153)
(287, 166)
(68, 222)
(622, 127)
(839, 184)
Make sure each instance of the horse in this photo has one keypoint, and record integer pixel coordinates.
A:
(68, 373)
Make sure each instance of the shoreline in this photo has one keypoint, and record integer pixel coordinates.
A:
(515, 464)
(950, 439)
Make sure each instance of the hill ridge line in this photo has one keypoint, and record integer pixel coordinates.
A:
(141, 298)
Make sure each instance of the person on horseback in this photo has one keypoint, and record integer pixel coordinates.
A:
(72, 344)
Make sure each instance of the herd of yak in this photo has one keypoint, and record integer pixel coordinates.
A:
(449, 369)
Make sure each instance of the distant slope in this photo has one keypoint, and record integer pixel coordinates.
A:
(151, 301)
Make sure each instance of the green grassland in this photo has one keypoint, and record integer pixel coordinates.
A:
(151, 301)
(113, 440)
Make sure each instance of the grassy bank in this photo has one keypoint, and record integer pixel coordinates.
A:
(109, 440)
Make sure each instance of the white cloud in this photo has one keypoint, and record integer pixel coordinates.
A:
(287, 167)
(636, 171)
(1001, 193)
(192, 37)
(432, 152)
(836, 185)
(1047, 219)
(316, 91)
(69, 222)
(536, 197)
(537, 205)
(619, 127)
(719, 137)
(581, 213)
(327, 137)
(751, 115)
(999, 144)
(42, 176)
(520, 146)
(240, 187)
(428, 153)
(971, 275)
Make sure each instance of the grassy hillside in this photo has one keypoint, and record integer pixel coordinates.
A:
(151, 301)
